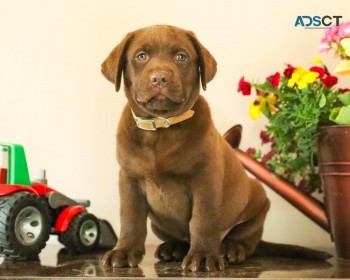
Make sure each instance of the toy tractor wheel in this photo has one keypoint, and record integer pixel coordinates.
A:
(82, 234)
(24, 225)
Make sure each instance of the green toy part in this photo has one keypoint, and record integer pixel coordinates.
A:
(17, 168)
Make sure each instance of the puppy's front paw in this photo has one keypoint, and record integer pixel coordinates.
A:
(195, 262)
(122, 258)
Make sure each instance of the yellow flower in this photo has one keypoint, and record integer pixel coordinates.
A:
(261, 104)
(302, 78)
(271, 100)
(254, 110)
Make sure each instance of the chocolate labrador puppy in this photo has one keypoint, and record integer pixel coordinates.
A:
(176, 168)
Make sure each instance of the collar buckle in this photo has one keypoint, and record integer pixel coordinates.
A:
(146, 124)
(163, 122)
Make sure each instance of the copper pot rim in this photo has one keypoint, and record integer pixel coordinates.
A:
(335, 126)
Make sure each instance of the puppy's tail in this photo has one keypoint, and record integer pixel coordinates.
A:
(268, 249)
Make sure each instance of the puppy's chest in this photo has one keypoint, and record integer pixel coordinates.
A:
(145, 161)
(167, 197)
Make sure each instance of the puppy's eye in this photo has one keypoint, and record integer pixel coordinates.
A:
(180, 57)
(141, 56)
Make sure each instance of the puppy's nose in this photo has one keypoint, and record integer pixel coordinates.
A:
(159, 79)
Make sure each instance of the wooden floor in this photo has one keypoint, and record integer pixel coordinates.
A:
(54, 262)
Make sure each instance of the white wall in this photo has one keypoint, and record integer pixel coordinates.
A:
(55, 102)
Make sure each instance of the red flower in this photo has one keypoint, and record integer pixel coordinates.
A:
(274, 79)
(345, 90)
(264, 137)
(251, 151)
(244, 87)
(288, 72)
(267, 156)
(321, 71)
(329, 81)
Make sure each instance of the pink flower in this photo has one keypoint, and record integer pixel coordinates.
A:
(327, 37)
(344, 30)
(330, 35)
(324, 46)
(333, 33)
(274, 79)
(319, 70)
(244, 87)
(332, 38)
(329, 81)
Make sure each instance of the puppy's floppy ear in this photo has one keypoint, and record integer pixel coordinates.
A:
(207, 63)
(113, 66)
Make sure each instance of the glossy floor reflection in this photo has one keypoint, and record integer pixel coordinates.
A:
(56, 262)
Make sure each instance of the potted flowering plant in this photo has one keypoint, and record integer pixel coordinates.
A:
(308, 131)
(295, 103)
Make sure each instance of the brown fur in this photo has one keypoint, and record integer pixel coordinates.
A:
(185, 178)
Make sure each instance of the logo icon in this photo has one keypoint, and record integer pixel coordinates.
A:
(317, 22)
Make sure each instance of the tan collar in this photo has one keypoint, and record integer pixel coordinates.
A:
(159, 122)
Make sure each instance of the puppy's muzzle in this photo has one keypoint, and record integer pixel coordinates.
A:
(162, 93)
(159, 79)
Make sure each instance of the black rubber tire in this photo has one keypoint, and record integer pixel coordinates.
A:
(10, 207)
(74, 237)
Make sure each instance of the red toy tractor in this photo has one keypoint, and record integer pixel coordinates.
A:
(31, 211)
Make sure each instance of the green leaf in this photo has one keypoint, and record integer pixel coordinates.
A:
(323, 101)
(334, 114)
(345, 98)
(343, 116)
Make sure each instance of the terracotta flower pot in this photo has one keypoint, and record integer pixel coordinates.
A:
(334, 162)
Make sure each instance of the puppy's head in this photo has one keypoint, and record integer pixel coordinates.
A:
(162, 67)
